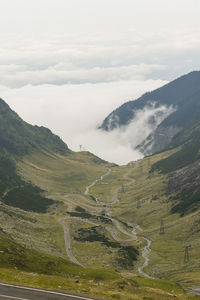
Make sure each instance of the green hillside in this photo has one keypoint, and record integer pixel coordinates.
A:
(73, 222)
(183, 169)
(189, 141)
(18, 137)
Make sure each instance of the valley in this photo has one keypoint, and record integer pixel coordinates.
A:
(72, 222)
(114, 231)
(100, 150)
(115, 203)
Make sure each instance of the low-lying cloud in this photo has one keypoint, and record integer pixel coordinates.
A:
(120, 144)
(75, 114)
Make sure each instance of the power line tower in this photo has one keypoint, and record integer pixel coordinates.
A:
(186, 254)
(149, 162)
(141, 170)
(80, 147)
(138, 203)
(162, 227)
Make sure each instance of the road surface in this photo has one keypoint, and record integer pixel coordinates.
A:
(95, 181)
(195, 291)
(145, 254)
(68, 243)
(12, 292)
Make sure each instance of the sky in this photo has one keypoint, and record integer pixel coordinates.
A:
(66, 64)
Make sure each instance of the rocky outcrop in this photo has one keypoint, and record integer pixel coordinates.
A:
(158, 140)
(184, 178)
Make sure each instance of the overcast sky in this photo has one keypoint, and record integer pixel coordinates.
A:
(66, 64)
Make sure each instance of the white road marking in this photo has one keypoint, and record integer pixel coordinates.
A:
(10, 297)
(43, 291)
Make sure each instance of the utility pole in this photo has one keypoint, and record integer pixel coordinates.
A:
(162, 228)
(186, 255)
(141, 170)
(149, 162)
(138, 203)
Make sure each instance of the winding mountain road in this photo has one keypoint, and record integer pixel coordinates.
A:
(68, 243)
(95, 181)
(95, 208)
(145, 254)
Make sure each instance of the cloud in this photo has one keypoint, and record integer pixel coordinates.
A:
(74, 113)
(120, 144)
(18, 76)
(76, 59)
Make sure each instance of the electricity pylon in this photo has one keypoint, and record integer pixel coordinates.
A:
(162, 228)
(138, 203)
(186, 254)
(141, 170)
(149, 162)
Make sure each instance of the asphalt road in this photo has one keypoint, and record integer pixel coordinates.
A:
(24, 293)
(195, 290)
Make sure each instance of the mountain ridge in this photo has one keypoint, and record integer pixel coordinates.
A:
(18, 137)
(183, 94)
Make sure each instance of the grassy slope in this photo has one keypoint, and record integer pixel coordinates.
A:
(167, 256)
(52, 173)
(20, 265)
(189, 140)
(18, 137)
(56, 173)
(36, 231)
(183, 164)
(31, 246)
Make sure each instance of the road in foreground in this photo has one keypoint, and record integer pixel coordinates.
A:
(8, 291)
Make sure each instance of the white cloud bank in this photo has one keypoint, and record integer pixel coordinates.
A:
(75, 113)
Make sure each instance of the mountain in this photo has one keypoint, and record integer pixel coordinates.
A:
(181, 98)
(18, 137)
(183, 169)
(58, 207)
(18, 140)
